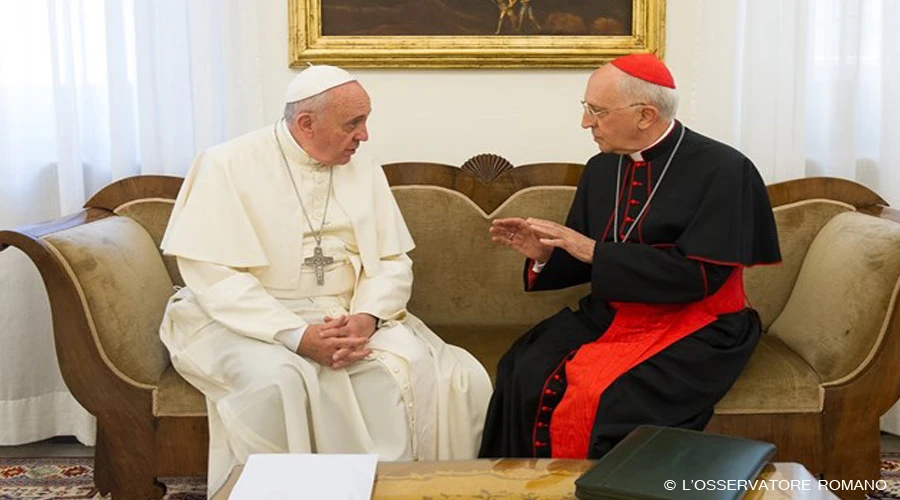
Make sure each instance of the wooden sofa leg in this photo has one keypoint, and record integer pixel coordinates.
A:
(102, 479)
(852, 453)
(128, 460)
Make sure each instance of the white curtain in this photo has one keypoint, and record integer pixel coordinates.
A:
(853, 107)
(809, 87)
(92, 91)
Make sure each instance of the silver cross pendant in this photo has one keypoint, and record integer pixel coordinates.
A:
(318, 262)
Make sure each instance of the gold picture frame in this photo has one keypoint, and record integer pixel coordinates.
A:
(310, 43)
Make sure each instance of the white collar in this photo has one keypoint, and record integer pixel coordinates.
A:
(637, 156)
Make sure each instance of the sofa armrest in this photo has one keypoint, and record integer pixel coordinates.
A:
(92, 263)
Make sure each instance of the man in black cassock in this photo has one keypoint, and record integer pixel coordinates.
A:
(663, 223)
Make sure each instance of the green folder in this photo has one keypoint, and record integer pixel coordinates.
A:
(656, 463)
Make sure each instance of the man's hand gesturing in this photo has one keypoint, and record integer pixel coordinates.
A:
(518, 234)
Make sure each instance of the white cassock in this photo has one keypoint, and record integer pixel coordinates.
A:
(240, 237)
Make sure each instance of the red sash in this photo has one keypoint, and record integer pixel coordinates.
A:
(637, 332)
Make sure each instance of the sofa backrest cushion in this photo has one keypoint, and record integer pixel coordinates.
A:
(153, 214)
(124, 287)
(462, 278)
(768, 287)
(838, 309)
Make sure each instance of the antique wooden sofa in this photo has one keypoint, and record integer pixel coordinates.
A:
(826, 369)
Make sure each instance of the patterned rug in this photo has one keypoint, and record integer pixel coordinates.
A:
(72, 479)
(890, 472)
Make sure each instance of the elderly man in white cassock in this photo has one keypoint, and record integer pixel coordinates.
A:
(293, 319)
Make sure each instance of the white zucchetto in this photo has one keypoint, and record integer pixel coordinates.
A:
(315, 80)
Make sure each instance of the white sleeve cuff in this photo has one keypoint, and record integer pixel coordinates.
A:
(538, 266)
(291, 337)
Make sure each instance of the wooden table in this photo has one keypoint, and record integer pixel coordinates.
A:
(498, 479)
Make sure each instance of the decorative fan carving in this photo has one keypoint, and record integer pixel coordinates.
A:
(487, 166)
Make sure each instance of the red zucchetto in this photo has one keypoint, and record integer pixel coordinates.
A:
(647, 67)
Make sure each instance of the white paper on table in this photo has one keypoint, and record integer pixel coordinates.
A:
(286, 476)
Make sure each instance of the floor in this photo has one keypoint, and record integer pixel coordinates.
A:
(889, 443)
(53, 447)
(69, 447)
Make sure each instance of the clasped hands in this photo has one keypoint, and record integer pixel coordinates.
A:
(338, 342)
(536, 238)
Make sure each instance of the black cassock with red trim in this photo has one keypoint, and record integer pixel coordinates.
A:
(665, 331)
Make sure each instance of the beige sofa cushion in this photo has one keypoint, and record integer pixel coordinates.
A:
(837, 311)
(487, 344)
(114, 261)
(768, 287)
(462, 278)
(153, 215)
(175, 397)
(776, 380)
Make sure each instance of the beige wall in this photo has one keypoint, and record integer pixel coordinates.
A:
(526, 116)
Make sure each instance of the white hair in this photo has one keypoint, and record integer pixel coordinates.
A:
(313, 104)
(662, 98)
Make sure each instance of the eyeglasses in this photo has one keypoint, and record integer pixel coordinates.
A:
(601, 113)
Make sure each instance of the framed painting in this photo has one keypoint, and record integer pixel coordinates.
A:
(472, 33)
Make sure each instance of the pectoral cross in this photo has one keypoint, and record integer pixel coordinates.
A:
(318, 262)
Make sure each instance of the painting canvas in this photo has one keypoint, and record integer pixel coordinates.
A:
(473, 33)
(476, 17)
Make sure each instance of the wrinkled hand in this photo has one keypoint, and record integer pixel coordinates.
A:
(360, 326)
(321, 344)
(517, 234)
(556, 235)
